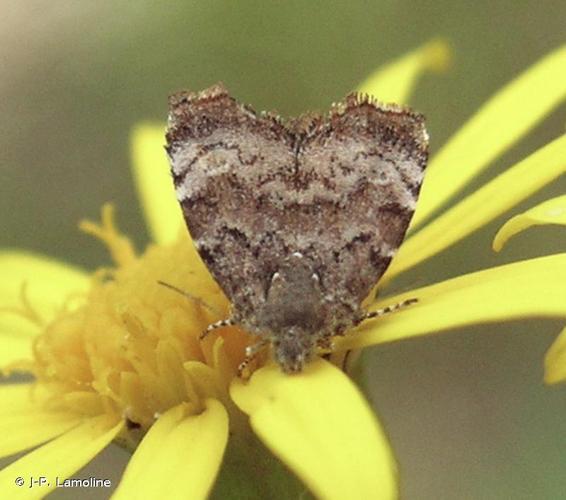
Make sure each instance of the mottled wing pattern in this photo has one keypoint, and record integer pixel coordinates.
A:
(362, 168)
(222, 156)
(339, 190)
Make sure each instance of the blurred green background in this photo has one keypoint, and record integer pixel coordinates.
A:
(467, 413)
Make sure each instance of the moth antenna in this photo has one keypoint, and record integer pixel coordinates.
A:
(387, 310)
(219, 324)
(191, 297)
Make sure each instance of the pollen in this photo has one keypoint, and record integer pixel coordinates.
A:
(131, 346)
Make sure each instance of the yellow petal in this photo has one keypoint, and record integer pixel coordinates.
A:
(23, 420)
(18, 398)
(154, 184)
(482, 206)
(23, 430)
(47, 283)
(395, 81)
(555, 361)
(530, 288)
(16, 335)
(321, 427)
(499, 123)
(59, 458)
(550, 212)
(186, 447)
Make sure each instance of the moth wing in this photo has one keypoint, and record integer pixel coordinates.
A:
(364, 167)
(222, 158)
(339, 191)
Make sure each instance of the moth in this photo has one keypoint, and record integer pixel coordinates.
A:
(296, 219)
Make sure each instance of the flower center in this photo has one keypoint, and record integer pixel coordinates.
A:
(132, 347)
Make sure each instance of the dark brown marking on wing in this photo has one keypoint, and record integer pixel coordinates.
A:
(340, 190)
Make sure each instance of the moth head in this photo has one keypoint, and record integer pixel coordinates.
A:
(293, 348)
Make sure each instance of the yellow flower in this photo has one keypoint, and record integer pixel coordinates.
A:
(116, 356)
(552, 211)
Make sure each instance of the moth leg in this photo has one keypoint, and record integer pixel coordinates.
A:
(325, 344)
(386, 310)
(251, 354)
(219, 324)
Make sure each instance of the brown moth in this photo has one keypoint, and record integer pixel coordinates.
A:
(297, 220)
